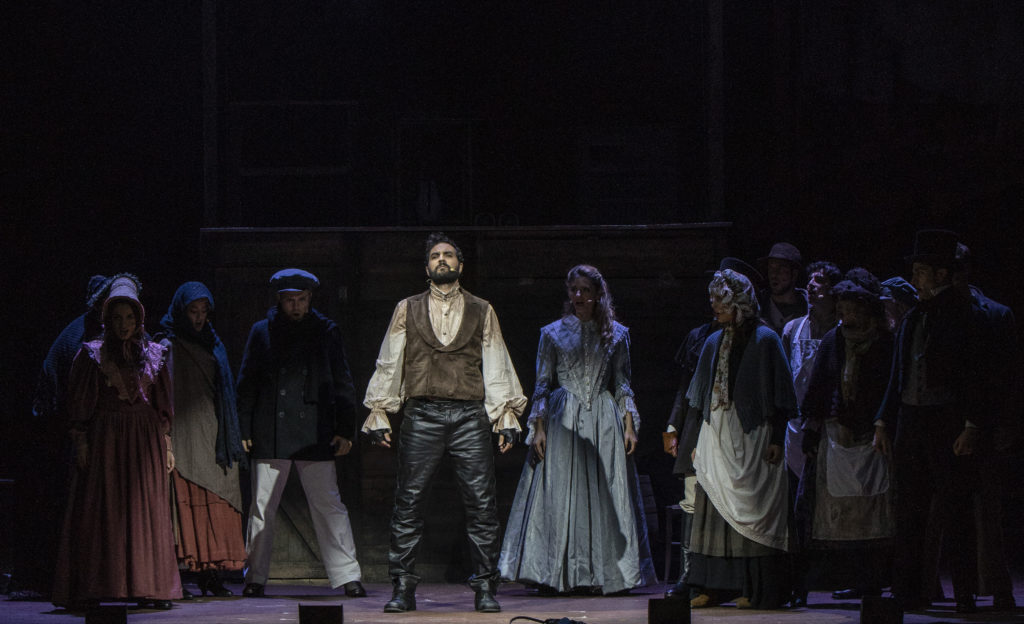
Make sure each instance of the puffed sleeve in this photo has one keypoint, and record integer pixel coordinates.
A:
(622, 376)
(503, 395)
(547, 380)
(163, 399)
(384, 392)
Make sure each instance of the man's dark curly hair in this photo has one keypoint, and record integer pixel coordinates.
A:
(831, 271)
(433, 240)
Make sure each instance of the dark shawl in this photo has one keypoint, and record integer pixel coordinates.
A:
(176, 324)
(760, 381)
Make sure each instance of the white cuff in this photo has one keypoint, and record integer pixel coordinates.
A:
(378, 419)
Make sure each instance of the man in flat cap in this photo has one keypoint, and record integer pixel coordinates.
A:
(296, 408)
(785, 302)
(443, 357)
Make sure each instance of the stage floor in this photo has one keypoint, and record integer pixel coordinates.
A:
(453, 604)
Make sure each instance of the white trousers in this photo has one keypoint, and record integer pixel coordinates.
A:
(330, 518)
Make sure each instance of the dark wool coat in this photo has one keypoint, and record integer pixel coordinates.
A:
(275, 427)
(956, 338)
(683, 418)
(824, 398)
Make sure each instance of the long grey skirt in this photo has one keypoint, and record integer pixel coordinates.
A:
(577, 517)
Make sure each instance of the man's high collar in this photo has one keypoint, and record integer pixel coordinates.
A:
(440, 295)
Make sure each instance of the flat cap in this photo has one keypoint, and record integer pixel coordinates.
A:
(293, 280)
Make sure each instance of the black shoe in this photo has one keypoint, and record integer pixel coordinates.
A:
(799, 600)
(966, 604)
(253, 590)
(485, 602)
(211, 581)
(80, 605)
(909, 603)
(354, 589)
(163, 605)
(403, 598)
(1004, 602)
(679, 590)
(187, 595)
(847, 594)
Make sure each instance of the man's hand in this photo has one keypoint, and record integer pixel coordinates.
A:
(247, 445)
(380, 437)
(507, 439)
(170, 461)
(882, 443)
(673, 446)
(966, 441)
(773, 454)
(341, 445)
(540, 443)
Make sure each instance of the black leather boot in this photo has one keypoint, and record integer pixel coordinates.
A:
(211, 581)
(484, 601)
(681, 589)
(403, 598)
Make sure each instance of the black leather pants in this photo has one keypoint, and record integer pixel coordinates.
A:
(462, 430)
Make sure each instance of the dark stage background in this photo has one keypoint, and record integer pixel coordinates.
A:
(841, 127)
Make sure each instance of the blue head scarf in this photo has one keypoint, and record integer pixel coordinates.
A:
(176, 324)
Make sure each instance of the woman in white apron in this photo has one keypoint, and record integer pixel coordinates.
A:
(743, 388)
(845, 499)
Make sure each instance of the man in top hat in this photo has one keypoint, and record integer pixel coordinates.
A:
(296, 408)
(684, 422)
(998, 474)
(781, 267)
(443, 357)
(937, 401)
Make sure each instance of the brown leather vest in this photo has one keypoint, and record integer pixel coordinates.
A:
(444, 372)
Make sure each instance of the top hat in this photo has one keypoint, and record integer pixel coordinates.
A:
(783, 251)
(293, 280)
(935, 248)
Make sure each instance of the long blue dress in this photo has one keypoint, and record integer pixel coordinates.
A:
(577, 519)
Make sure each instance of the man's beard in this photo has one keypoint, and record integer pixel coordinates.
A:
(445, 277)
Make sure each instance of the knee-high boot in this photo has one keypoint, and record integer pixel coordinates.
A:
(681, 589)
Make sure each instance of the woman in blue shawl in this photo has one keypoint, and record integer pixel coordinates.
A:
(743, 389)
(206, 497)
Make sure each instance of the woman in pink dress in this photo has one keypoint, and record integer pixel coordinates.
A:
(117, 543)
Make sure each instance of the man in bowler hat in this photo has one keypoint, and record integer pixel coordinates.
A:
(296, 408)
(937, 403)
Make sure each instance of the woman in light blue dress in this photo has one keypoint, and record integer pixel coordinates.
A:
(577, 521)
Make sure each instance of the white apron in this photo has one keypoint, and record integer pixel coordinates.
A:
(749, 493)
